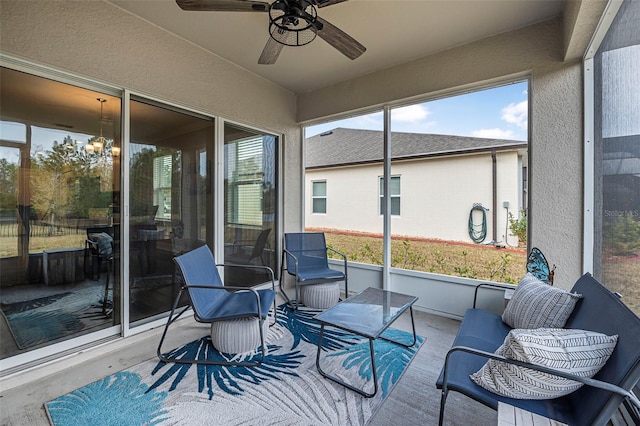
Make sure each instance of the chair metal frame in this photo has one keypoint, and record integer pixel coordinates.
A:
(295, 271)
(199, 316)
(257, 249)
(91, 251)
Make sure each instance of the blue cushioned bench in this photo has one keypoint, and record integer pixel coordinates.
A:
(482, 332)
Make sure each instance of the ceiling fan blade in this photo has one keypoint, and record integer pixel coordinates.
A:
(224, 5)
(270, 52)
(324, 3)
(340, 40)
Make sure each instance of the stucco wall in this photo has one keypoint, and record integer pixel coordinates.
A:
(556, 152)
(434, 202)
(99, 41)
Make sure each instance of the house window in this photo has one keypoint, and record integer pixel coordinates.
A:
(162, 167)
(394, 194)
(319, 197)
(245, 176)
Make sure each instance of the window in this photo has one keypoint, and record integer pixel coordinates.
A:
(440, 168)
(319, 197)
(245, 182)
(394, 195)
(162, 186)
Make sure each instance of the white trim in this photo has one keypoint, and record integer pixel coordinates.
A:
(303, 185)
(54, 74)
(56, 349)
(218, 190)
(607, 18)
(589, 174)
(386, 178)
(609, 14)
(125, 232)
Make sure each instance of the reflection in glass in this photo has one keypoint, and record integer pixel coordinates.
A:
(170, 201)
(54, 193)
(250, 198)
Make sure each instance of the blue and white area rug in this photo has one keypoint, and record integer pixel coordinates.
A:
(286, 389)
(56, 314)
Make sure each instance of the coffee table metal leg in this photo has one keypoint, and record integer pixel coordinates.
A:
(413, 326)
(340, 382)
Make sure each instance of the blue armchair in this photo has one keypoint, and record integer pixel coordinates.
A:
(305, 257)
(212, 302)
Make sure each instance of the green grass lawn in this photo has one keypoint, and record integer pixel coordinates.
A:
(442, 257)
(621, 275)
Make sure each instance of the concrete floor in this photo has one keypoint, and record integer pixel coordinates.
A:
(414, 401)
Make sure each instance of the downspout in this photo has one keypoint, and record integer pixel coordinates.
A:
(494, 207)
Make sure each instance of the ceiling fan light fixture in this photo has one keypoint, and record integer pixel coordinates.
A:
(294, 23)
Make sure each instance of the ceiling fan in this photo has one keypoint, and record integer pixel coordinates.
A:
(291, 23)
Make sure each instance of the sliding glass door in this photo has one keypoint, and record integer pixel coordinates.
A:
(170, 201)
(79, 231)
(59, 189)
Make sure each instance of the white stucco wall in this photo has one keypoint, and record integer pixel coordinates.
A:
(435, 201)
(556, 120)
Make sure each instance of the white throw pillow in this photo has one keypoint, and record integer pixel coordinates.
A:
(535, 304)
(578, 352)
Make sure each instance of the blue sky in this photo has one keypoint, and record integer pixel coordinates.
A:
(499, 112)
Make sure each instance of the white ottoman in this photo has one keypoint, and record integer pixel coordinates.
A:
(237, 336)
(320, 296)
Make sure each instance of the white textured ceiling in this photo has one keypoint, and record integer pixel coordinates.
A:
(393, 32)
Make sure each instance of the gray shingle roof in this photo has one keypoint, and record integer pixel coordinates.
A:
(353, 146)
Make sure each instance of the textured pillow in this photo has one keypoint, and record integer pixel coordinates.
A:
(535, 304)
(578, 352)
(104, 242)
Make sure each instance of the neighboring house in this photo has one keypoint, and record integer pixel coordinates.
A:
(344, 184)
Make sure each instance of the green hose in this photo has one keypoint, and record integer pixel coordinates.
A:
(478, 232)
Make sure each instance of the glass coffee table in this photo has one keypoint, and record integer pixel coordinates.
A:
(368, 314)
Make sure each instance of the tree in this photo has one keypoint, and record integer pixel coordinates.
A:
(8, 185)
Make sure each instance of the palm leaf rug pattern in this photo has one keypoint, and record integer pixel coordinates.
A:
(285, 389)
(46, 319)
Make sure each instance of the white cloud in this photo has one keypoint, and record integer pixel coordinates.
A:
(492, 133)
(516, 114)
(410, 114)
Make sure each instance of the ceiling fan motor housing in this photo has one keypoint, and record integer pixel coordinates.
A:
(293, 22)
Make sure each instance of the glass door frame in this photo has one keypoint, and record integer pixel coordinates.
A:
(218, 183)
(76, 344)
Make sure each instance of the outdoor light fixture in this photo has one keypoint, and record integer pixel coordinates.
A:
(293, 25)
